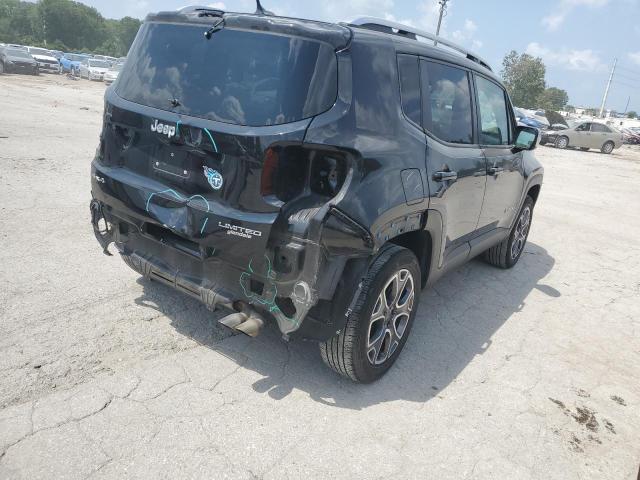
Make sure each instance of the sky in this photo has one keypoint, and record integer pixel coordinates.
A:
(577, 39)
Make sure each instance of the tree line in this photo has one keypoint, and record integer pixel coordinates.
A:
(524, 77)
(65, 25)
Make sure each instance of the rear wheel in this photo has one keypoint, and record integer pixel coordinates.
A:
(507, 253)
(379, 325)
(562, 142)
(607, 147)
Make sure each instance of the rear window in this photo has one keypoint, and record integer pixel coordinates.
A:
(239, 77)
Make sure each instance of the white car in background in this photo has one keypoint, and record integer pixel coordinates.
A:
(47, 62)
(93, 69)
(112, 74)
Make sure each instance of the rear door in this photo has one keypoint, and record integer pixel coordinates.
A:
(455, 164)
(505, 175)
(600, 134)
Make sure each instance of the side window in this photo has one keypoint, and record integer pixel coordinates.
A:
(410, 87)
(598, 127)
(494, 120)
(446, 101)
(583, 128)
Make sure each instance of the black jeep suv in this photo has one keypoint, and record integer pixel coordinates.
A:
(316, 175)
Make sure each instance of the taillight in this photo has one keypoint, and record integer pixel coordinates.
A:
(268, 172)
(290, 171)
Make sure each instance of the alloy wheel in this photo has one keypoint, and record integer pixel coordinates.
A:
(390, 317)
(520, 233)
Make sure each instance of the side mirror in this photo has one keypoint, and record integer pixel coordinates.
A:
(526, 138)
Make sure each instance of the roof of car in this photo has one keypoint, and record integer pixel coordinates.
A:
(410, 46)
(336, 35)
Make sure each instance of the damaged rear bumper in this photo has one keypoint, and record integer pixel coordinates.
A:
(218, 258)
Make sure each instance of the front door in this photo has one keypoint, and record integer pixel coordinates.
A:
(505, 178)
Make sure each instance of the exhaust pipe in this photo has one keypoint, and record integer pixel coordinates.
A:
(247, 321)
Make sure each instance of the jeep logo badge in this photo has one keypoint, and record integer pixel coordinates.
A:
(163, 129)
(213, 177)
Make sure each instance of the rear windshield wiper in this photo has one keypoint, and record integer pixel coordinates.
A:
(219, 25)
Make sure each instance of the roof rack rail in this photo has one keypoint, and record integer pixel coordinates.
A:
(406, 31)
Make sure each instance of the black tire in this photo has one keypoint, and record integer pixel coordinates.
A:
(507, 253)
(584, 149)
(608, 147)
(562, 142)
(542, 143)
(351, 353)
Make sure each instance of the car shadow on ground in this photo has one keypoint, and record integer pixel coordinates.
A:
(455, 323)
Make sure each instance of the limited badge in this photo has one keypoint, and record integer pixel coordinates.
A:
(213, 177)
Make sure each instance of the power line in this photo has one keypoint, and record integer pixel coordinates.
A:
(629, 69)
(617, 82)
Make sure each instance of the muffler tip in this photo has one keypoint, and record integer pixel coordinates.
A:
(252, 327)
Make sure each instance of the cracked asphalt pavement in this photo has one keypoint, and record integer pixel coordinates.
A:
(531, 373)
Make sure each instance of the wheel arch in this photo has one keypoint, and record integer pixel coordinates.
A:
(420, 243)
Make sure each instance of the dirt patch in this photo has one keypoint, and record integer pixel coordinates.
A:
(609, 426)
(586, 417)
(619, 400)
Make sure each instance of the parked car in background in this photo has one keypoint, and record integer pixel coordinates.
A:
(527, 121)
(93, 69)
(19, 47)
(585, 136)
(70, 63)
(15, 60)
(112, 74)
(630, 137)
(46, 61)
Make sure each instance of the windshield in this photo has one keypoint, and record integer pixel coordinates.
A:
(98, 64)
(40, 51)
(14, 52)
(239, 77)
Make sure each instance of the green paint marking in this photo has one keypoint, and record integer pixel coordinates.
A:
(271, 302)
(213, 142)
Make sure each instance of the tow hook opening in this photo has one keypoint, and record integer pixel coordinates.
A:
(102, 227)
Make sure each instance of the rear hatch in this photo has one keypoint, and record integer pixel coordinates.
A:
(191, 122)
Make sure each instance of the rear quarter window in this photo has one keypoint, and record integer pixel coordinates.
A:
(239, 77)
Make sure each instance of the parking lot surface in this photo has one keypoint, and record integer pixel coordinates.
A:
(528, 373)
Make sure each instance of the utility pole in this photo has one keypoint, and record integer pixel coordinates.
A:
(606, 91)
(627, 107)
(443, 13)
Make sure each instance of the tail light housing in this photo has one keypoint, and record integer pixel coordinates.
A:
(292, 171)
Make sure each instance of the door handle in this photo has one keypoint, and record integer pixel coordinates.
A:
(445, 176)
(495, 170)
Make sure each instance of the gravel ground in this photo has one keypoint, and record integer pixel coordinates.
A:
(527, 373)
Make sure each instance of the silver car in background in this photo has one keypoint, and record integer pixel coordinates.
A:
(585, 136)
(47, 62)
(112, 74)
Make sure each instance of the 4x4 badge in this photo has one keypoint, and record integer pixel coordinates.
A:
(213, 177)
